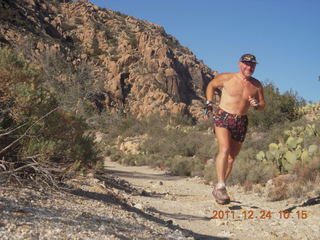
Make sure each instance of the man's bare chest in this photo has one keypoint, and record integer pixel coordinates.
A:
(239, 90)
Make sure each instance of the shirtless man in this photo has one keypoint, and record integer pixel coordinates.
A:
(239, 91)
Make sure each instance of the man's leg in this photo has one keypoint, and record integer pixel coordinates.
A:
(224, 143)
(234, 151)
(224, 140)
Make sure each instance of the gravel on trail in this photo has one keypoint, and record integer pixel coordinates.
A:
(143, 203)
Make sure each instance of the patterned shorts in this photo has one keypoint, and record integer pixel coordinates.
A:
(236, 124)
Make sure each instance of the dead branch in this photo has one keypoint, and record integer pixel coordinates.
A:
(7, 133)
(36, 171)
(3, 167)
(29, 128)
(18, 169)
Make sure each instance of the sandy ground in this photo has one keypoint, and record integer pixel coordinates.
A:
(188, 203)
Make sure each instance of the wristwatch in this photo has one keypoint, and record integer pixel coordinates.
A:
(209, 102)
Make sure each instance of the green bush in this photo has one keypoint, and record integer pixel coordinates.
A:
(169, 142)
(181, 142)
(37, 128)
(115, 154)
(280, 108)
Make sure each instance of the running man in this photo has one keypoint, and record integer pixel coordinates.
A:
(239, 91)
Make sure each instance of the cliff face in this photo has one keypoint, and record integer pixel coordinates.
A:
(143, 69)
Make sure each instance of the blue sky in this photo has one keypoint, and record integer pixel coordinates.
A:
(283, 34)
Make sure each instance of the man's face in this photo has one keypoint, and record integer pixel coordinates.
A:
(247, 68)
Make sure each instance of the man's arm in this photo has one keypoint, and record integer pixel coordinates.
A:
(210, 91)
(213, 84)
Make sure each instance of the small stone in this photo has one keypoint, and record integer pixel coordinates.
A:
(169, 222)
(138, 206)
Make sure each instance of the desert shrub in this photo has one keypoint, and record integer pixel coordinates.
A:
(304, 182)
(154, 160)
(34, 129)
(204, 126)
(115, 125)
(114, 153)
(178, 165)
(247, 169)
(185, 166)
(95, 46)
(78, 21)
(180, 119)
(133, 41)
(136, 160)
(174, 135)
(279, 108)
(176, 141)
(67, 27)
(167, 144)
(75, 87)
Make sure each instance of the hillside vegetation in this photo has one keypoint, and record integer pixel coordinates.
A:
(80, 83)
(186, 148)
(39, 141)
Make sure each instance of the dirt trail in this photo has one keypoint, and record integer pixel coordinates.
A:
(188, 203)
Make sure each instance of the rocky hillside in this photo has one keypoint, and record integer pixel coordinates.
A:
(140, 67)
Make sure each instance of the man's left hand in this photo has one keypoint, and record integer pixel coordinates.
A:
(253, 102)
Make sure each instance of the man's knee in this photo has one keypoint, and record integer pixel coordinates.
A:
(231, 159)
(224, 151)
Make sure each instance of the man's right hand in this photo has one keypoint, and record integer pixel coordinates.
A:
(208, 111)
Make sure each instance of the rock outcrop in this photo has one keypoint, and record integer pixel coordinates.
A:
(143, 69)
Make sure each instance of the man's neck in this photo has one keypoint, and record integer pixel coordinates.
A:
(243, 78)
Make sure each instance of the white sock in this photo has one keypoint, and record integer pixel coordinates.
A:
(220, 185)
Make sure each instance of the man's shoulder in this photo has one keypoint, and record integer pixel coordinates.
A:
(226, 76)
(256, 82)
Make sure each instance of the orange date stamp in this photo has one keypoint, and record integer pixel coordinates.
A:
(258, 214)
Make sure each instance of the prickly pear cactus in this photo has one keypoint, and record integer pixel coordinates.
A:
(313, 149)
(291, 151)
(306, 158)
(311, 109)
(261, 156)
(308, 130)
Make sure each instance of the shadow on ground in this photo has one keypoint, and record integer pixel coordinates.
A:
(309, 202)
(146, 176)
(106, 198)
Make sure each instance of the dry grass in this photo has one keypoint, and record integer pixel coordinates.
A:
(304, 182)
